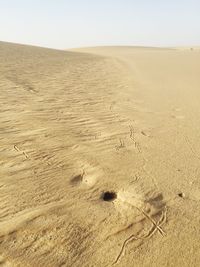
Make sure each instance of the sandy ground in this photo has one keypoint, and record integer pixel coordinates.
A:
(74, 125)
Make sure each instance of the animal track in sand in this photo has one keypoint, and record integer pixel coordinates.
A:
(151, 210)
(88, 176)
(85, 178)
(89, 173)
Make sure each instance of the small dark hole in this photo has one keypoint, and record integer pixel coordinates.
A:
(182, 195)
(109, 196)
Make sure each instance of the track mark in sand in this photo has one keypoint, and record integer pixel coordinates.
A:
(18, 150)
(121, 144)
(152, 209)
(156, 226)
(89, 175)
(132, 137)
(86, 178)
(145, 134)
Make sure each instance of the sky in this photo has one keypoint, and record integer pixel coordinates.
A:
(66, 24)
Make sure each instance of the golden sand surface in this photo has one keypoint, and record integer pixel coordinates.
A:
(99, 157)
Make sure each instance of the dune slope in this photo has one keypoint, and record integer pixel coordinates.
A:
(99, 157)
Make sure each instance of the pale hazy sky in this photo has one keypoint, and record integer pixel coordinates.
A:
(77, 23)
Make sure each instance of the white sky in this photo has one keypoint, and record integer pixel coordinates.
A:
(77, 23)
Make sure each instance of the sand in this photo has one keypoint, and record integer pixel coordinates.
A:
(99, 156)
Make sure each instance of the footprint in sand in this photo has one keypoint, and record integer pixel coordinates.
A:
(88, 176)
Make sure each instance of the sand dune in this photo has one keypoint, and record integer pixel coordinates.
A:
(99, 156)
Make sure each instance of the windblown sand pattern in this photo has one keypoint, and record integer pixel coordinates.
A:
(99, 157)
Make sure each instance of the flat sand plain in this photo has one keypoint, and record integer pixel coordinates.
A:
(79, 128)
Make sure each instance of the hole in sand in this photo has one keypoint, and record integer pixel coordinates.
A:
(182, 195)
(109, 196)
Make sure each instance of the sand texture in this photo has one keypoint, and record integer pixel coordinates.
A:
(76, 124)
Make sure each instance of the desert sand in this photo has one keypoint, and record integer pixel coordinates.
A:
(99, 156)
